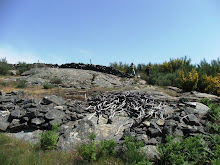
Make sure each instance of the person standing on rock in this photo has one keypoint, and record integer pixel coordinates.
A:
(147, 70)
(132, 69)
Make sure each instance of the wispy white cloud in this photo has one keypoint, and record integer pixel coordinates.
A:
(14, 56)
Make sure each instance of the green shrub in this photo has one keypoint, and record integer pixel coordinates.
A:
(190, 150)
(22, 67)
(107, 147)
(120, 66)
(56, 80)
(133, 154)
(47, 86)
(21, 83)
(205, 101)
(214, 113)
(3, 83)
(4, 67)
(49, 139)
(214, 145)
(89, 150)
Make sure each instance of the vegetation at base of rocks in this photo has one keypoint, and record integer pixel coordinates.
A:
(214, 113)
(89, 150)
(190, 150)
(200, 149)
(49, 139)
(133, 154)
(204, 77)
(107, 147)
(22, 67)
(13, 151)
(94, 151)
(48, 86)
(21, 83)
(56, 80)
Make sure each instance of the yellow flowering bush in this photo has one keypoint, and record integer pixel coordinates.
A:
(166, 67)
(211, 84)
(187, 81)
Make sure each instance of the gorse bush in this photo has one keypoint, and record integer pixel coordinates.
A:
(211, 84)
(187, 81)
(49, 139)
(180, 73)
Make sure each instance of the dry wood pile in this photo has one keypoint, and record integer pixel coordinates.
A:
(138, 106)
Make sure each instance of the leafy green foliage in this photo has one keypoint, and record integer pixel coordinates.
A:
(120, 66)
(22, 67)
(89, 151)
(214, 146)
(49, 139)
(107, 147)
(4, 67)
(133, 154)
(48, 86)
(21, 83)
(214, 114)
(203, 77)
(183, 151)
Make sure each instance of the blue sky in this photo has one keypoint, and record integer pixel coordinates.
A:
(139, 31)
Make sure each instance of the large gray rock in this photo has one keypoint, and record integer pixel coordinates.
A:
(53, 99)
(4, 99)
(37, 121)
(191, 120)
(151, 152)
(74, 137)
(28, 73)
(3, 125)
(32, 136)
(55, 114)
(17, 113)
(16, 125)
(4, 115)
(115, 130)
(200, 108)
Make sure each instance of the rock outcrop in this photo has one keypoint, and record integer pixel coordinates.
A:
(112, 115)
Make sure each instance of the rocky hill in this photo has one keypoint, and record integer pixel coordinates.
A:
(75, 78)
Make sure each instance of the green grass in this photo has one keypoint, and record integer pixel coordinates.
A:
(13, 151)
(21, 83)
(17, 152)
